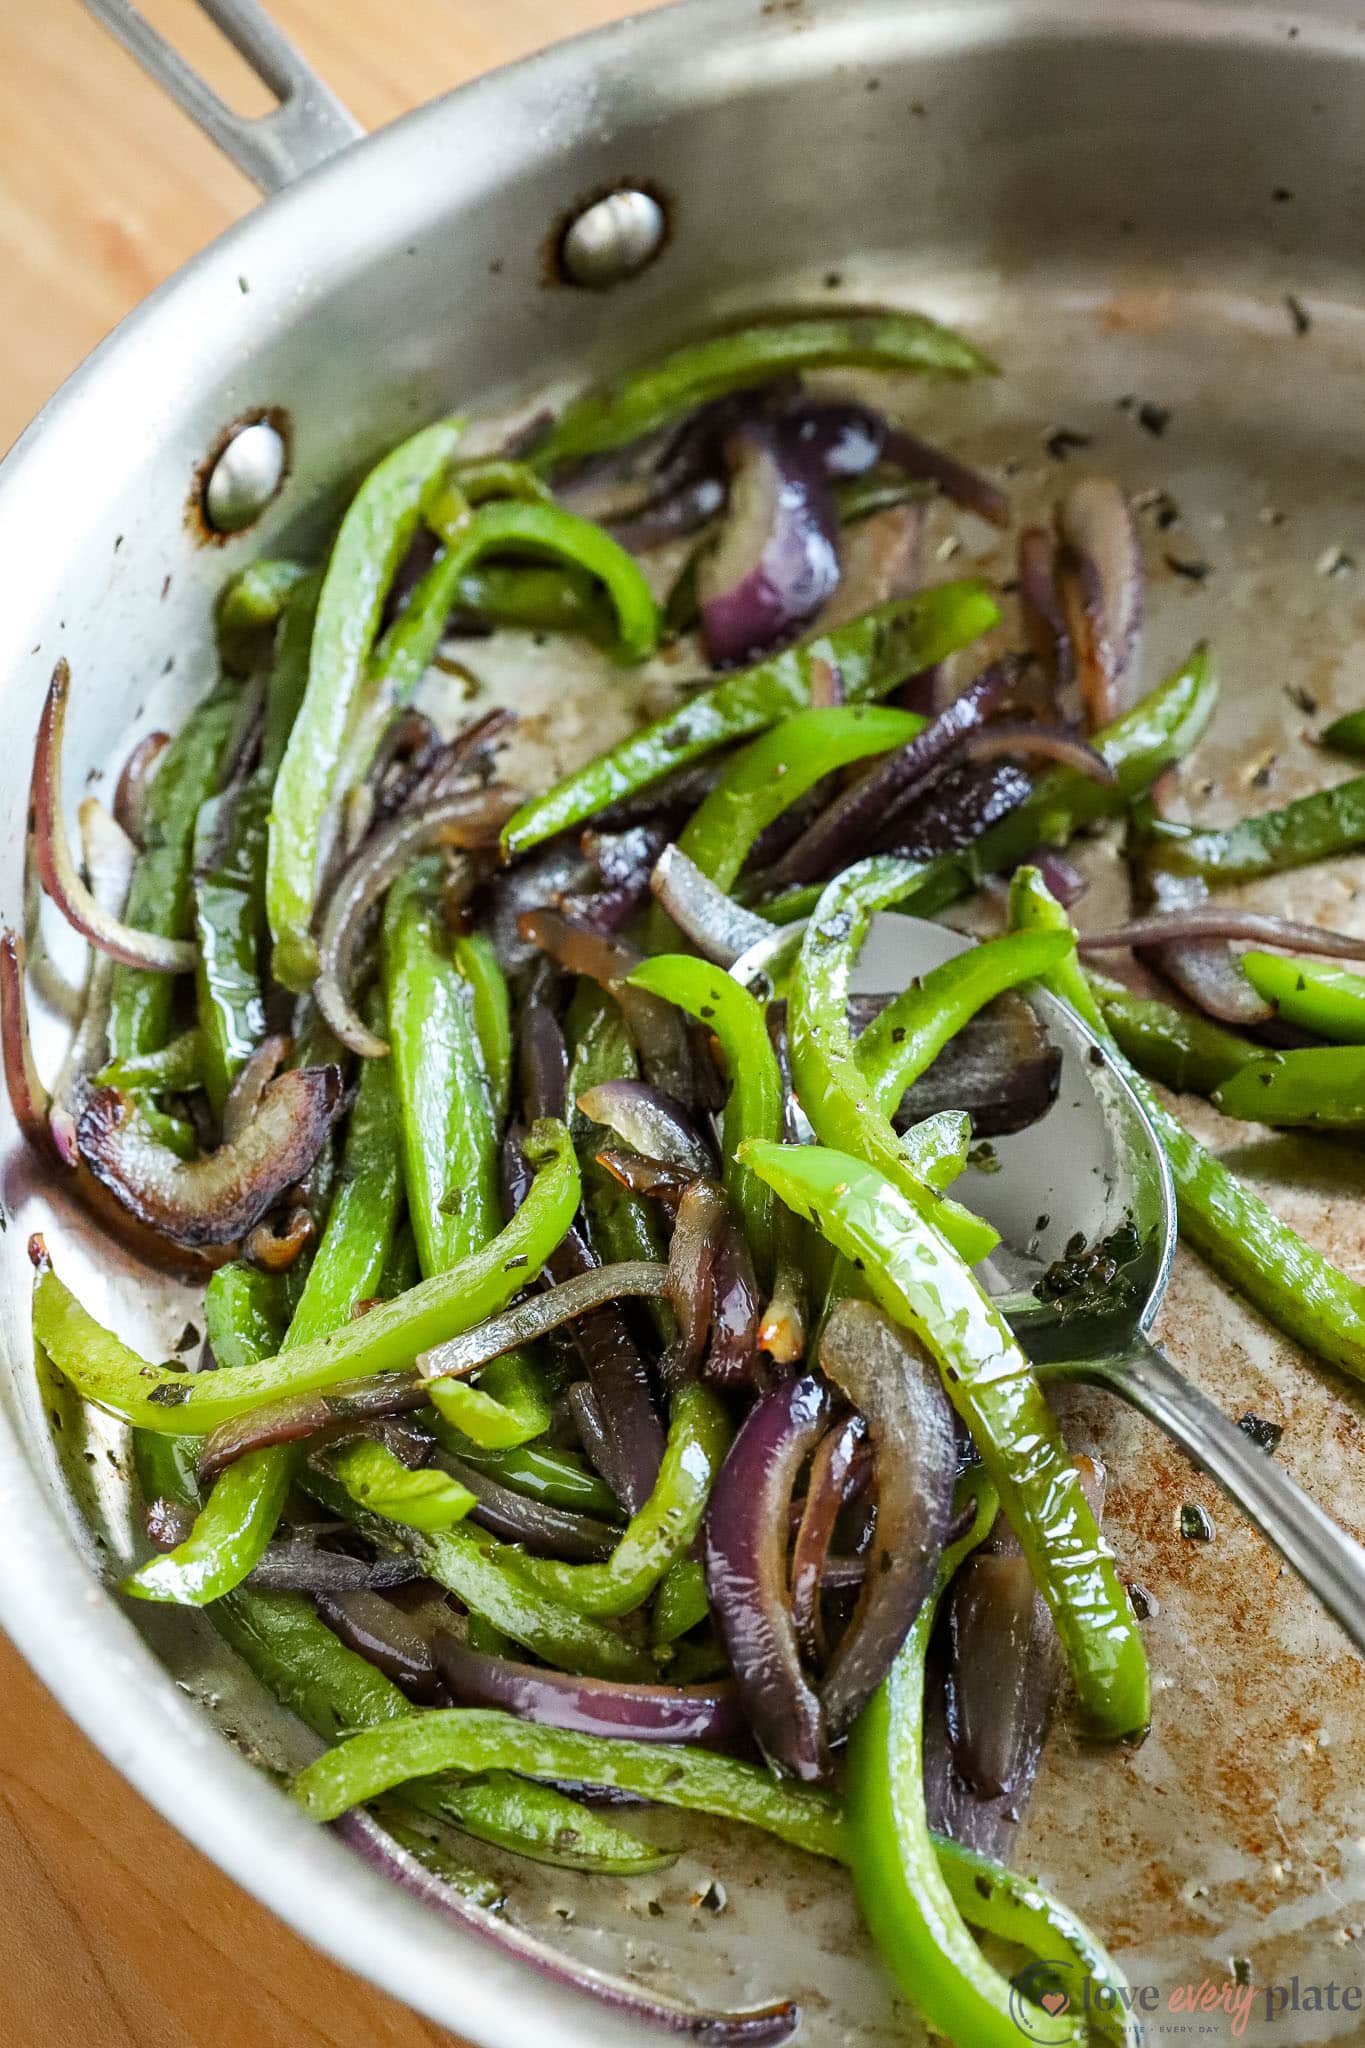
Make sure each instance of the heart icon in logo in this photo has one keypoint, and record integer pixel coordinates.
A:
(1054, 2002)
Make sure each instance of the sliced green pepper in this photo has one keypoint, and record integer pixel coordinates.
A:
(906, 1887)
(1323, 826)
(919, 1280)
(176, 1065)
(872, 655)
(159, 899)
(1346, 734)
(681, 1603)
(111, 1376)
(646, 399)
(753, 1107)
(666, 1526)
(245, 1314)
(249, 604)
(1187, 1052)
(620, 1225)
(507, 526)
(228, 906)
(375, 535)
(560, 1478)
(449, 1128)
(777, 769)
(478, 962)
(426, 1499)
(1293, 1286)
(475, 1739)
(1322, 1086)
(1312, 994)
(831, 1087)
(537, 598)
(508, 1408)
(910, 1033)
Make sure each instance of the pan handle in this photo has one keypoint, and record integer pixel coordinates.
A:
(310, 123)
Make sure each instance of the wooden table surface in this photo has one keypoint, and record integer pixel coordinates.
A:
(114, 1933)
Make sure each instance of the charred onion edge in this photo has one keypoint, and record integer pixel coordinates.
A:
(56, 863)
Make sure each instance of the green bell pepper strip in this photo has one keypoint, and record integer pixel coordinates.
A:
(1187, 1052)
(426, 1499)
(648, 398)
(159, 899)
(753, 1108)
(1346, 735)
(906, 1887)
(620, 1225)
(510, 1407)
(288, 683)
(177, 1065)
(1158, 731)
(830, 1085)
(560, 1478)
(242, 1512)
(474, 956)
(680, 1604)
(1292, 1284)
(910, 1033)
(228, 906)
(477, 1739)
(250, 604)
(872, 654)
(537, 598)
(777, 769)
(1321, 1086)
(450, 1124)
(374, 536)
(1312, 994)
(483, 1573)
(663, 1530)
(245, 1314)
(401, 1270)
(450, 1131)
(485, 477)
(915, 1275)
(334, 1691)
(506, 526)
(1323, 826)
(111, 1376)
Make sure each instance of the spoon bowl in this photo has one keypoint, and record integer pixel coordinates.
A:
(1088, 1184)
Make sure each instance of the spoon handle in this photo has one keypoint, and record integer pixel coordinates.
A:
(1330, 1563)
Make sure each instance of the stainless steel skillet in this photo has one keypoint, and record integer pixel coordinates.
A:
(1117, 200)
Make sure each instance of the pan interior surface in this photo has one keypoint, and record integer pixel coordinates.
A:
(1150, 217)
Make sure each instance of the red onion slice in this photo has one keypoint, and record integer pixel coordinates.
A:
(385, 1637)
(1226, 921)
(719, 928)
(466, 819)
(296, 1417)
(733, 1358)
(212, 1201)
(746, 1574)
(892, 1383)
(648, 1121)
(698, 1229)
(755, 2029)
(957, 480)
(775, 562)
(538, 1525)
(880, 558)
(56, 864)
(530, 1320)
(1045, 625)
(1038, 743)
(1100, 583)
(656, 1027)
(244, 1096)
(839, 1460)
(709, 1714)
(839, 834)
(130, 796)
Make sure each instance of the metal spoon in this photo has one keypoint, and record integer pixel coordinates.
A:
(1091, 1173)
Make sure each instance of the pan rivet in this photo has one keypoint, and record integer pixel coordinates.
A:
(613, 239)
(245, 477)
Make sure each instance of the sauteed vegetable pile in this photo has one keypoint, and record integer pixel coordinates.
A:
(598, 1397)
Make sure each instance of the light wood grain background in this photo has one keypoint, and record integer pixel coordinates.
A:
(114, 1933)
